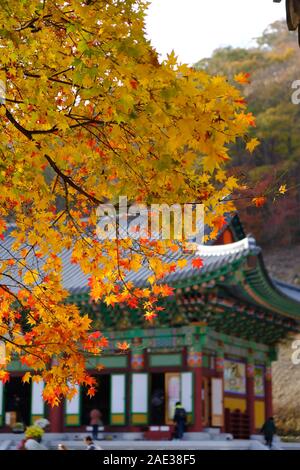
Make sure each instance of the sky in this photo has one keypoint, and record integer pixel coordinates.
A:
(194, 28)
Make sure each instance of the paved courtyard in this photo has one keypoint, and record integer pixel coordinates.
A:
(10, 442)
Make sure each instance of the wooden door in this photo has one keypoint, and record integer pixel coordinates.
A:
(173, 392)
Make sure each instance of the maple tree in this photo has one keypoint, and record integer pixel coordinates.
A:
(90, 114)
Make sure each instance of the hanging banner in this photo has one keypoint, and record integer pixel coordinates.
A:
(259, 382)
(234, 377)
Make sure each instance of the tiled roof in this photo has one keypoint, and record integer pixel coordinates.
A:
(289, 290)
(217, 260)
(214, 258)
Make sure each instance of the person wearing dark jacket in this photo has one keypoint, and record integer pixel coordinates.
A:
(179, 419)
(269, 429)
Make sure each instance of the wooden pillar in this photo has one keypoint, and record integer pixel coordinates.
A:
(251, 397)
(198, 425)
(56, 418)
(194, 361)
(268, 392)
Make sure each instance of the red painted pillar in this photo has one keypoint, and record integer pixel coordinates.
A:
(198, 425)
(194, 361)
(56, 418)
(251, 397)
(268, 392)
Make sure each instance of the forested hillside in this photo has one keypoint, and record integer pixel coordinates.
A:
(273, 65)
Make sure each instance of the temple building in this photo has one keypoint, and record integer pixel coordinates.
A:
(211, 348)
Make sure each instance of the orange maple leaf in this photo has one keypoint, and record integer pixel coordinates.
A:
(123, 346)
(91, 392)
(242, 78)
(4, 376)
(166, 290)
(219, 222)
(251, 119)
(2, 228)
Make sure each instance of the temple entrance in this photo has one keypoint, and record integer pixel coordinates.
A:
(17, 401)
(157, 399)
(100, 401)
(165, 391)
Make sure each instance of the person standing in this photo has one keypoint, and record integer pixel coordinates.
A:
(269, 429)
(180, 420)
(95, 421)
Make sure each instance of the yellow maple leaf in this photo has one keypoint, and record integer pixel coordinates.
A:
(282, 189)
(182, 262)
(30, 277)
(252, 144)
(26, 377)
(221, 176)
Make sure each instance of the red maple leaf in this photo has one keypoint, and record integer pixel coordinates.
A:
(259, 201)
(197, 263)
(95, 335)
(134, 84)
(219, 222)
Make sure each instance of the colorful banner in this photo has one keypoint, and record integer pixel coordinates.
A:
(259, 383)
(234, 377)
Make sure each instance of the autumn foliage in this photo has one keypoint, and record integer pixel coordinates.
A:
(90, 114)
